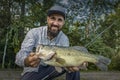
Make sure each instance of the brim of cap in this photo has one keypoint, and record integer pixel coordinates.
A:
(50, 12)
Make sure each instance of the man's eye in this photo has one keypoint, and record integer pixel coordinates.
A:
(60, 20)
(53, 18)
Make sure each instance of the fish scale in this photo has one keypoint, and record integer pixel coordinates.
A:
(71, 56)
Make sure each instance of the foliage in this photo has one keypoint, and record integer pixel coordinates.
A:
(18, 25)
(73, 32)
(38, 11)
(14, 33)
(14, 39)
(85, 25)
(97, 33)
(112, 38)
(115, 64)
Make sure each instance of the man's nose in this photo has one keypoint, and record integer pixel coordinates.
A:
(55, 22)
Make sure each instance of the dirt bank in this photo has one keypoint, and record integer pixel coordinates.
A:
(110, 75)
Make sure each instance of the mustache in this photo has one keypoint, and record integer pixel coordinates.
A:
(54, 25)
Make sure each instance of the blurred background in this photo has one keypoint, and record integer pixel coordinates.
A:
(94, 24)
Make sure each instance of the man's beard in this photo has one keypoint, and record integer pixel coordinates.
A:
(53, 33)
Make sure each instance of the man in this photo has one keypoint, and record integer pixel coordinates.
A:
(34, 68)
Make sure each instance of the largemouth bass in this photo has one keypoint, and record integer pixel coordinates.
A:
(72, 56)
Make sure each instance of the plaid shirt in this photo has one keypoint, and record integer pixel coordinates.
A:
(35, 37)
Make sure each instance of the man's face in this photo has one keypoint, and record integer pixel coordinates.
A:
(55, 23)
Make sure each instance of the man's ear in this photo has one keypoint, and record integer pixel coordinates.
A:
(47, 18)
(64, 22)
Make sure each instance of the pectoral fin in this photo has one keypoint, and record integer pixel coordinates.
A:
(60, 60)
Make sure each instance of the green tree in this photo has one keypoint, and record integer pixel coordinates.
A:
(18, 24)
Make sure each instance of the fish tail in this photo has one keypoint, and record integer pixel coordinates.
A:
(103, 63)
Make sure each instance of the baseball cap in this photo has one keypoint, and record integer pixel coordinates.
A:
(56, 10)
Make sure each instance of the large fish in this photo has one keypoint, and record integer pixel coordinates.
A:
(71, 56)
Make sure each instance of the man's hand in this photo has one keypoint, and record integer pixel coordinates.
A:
(77, 68)
(84, 66)
(32, 60)
(72, 69)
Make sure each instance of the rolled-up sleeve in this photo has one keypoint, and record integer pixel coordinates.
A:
(26, 47)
